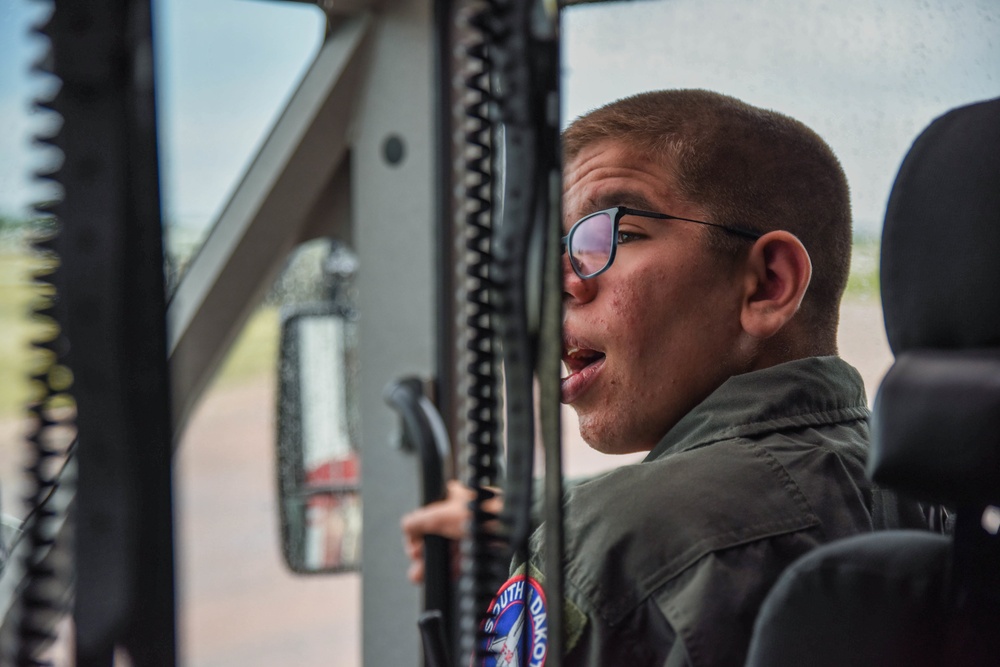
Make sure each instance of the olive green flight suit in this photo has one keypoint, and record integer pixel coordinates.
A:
(668, 560)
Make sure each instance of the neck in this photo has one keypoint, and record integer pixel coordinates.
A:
(792, 343)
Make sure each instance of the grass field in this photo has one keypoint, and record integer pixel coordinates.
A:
(863, 282)
(255, 352)
(17, 329)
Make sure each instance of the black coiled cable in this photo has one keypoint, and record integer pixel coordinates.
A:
(486, 556)
(42, 598)
(525, 264)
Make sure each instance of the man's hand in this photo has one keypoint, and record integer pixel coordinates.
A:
(448, 518)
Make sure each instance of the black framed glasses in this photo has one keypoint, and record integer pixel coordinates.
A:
(593, 241)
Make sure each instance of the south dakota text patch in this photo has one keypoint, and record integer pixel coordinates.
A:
(514, 638)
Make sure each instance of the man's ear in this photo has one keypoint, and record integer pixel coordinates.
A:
(778, 271)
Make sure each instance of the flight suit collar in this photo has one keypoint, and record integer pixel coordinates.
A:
(796, 394)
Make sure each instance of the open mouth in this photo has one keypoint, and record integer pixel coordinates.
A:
(582, 366)
(576, 359)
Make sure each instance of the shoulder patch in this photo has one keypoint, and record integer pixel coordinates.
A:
(515, 638)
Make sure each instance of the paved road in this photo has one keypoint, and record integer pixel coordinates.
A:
(240, 607)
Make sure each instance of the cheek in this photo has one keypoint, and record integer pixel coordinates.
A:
(642, 307)
(625, 303)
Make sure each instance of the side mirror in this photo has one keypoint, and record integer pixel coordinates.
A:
(318, 463)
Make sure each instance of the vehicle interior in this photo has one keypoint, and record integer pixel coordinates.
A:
(403, 205)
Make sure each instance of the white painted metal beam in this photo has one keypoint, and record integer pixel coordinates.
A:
(266, 216)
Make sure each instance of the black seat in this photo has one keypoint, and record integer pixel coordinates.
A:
(906, 597)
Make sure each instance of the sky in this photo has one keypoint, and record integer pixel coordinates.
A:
(18, 50)
(225, 70)
(867, 75)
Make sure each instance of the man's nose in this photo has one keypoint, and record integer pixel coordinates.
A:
(575, 289)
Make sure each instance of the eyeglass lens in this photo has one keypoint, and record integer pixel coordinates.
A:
(590, 244)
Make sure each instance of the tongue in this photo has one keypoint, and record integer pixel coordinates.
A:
(581, 360)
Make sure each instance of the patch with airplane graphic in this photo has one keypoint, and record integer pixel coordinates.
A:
(516, 638)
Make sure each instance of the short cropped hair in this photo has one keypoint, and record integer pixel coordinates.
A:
(747, 167)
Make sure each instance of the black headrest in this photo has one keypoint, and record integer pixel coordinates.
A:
(940, 268)
(936, 430)
(937, 414)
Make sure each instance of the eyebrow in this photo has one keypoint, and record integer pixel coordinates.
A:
(626, 198)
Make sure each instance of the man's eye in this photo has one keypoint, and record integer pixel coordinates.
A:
(627, 237)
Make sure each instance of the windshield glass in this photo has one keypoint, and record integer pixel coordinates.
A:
(225, 71)
(867, 75)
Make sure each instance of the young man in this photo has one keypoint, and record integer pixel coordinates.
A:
(708, 246)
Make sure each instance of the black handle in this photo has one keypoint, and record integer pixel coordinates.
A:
(435, 639)
(425, 435)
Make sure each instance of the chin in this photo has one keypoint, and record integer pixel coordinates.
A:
(605, 441)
